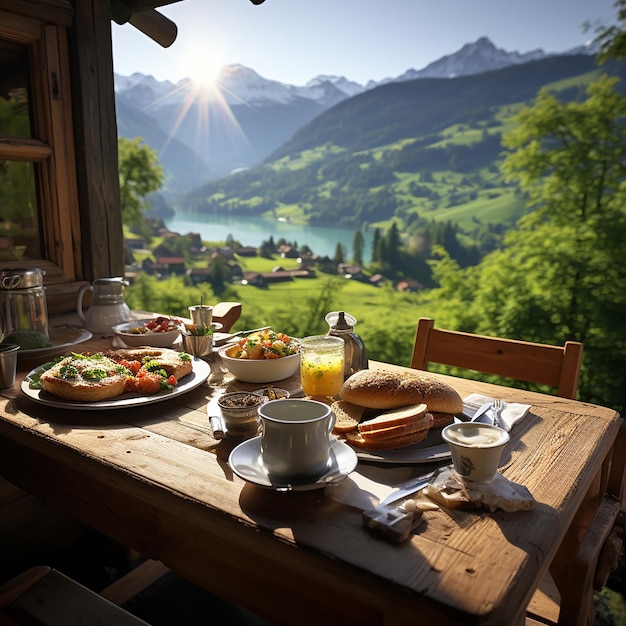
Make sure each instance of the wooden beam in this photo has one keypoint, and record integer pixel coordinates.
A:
(53, 11)
(23, 149)
(96, 140)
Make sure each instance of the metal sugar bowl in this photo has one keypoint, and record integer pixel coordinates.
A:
(342, 325)
(23, 305)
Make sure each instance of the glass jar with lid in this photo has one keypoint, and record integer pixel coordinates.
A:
(23, 303)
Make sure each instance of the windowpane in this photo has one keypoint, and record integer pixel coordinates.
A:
(19, 221)
(14, 90)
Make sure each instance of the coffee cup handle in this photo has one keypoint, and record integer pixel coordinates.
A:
(331, 423)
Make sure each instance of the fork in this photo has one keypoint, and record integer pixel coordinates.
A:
(497, 406)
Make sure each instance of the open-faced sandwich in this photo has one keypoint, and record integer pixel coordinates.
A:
(100, 376)
(384, 410)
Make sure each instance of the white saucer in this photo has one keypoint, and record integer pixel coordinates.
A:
(245, 461)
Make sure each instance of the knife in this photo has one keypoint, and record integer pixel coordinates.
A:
(222, 340)
(408, 488)
(481, 411)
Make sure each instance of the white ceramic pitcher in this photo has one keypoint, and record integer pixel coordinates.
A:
(107, 307)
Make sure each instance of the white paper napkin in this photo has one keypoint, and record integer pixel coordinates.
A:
(368, 485)
(512, 412)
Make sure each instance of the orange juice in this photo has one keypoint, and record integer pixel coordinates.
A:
(321, 365)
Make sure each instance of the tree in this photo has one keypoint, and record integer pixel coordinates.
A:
(140, 174)
(612, 40)
(376, 246)
(339, 256)
(393, 244)
(357, 246)
(561, 273)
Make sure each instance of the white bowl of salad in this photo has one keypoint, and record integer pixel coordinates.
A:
(157, 332)
(265, 356)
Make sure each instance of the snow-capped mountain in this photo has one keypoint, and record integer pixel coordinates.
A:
(266, 112)
(235, 85)
(473, 58)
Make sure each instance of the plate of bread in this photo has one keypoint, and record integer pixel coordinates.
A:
(115, 379)
(395, 417)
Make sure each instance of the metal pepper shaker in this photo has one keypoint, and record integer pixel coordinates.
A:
(341, 324)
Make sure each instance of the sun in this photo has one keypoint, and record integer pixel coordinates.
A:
(203, 64)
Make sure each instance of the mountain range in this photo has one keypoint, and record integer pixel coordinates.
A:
(202, 135)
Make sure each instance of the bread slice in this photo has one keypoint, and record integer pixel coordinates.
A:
(178, 364)
(347, 416)
(442, 419)
(391, 443)
(404, 416)
(424, 423)
(79, 378)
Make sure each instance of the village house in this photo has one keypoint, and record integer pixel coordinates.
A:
(409, 286)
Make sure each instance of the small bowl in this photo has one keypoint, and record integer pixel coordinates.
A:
(260, 370)
(155, 340)
(476, 449)
(240, 413)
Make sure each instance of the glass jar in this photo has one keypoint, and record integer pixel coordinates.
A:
(321, 365)
(23, 303)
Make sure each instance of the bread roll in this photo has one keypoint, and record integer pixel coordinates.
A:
(382, 389)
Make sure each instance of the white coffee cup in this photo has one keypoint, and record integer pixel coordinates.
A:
(295, 438)
(476, 449)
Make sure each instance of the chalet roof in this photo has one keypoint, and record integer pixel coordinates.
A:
(170, 260)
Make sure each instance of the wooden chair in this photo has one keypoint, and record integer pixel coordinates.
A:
(226, 313)
(578, 574)
(556, 366)
(45, 596)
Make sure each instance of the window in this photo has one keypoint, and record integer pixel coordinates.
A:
(39, 216)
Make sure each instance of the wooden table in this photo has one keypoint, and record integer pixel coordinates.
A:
(154, 479)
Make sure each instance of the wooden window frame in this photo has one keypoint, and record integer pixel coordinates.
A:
(78, 181)
(52, 148)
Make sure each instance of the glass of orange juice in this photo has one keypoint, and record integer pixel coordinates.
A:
(321, 365)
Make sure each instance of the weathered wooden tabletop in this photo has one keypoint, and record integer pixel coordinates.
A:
(154, 479)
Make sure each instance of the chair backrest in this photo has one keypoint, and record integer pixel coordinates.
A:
(556, 366)
(226, 313)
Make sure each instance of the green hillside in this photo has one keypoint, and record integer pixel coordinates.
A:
(423, 154)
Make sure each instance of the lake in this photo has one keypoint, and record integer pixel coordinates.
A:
(252, 231)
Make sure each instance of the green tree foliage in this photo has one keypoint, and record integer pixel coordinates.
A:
(304, 317)
(357, 247)
(18, 202)
(339, 256)
(561, 273)
(171, 296)
(140, 174)
(612, 39)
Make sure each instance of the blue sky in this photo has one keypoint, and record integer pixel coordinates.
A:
(293, 41)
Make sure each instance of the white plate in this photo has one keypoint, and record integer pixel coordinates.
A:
(61, 339)
(431, 450)
(201, 371)
(245, 461)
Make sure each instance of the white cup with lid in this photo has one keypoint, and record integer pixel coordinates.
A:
(476, 449)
